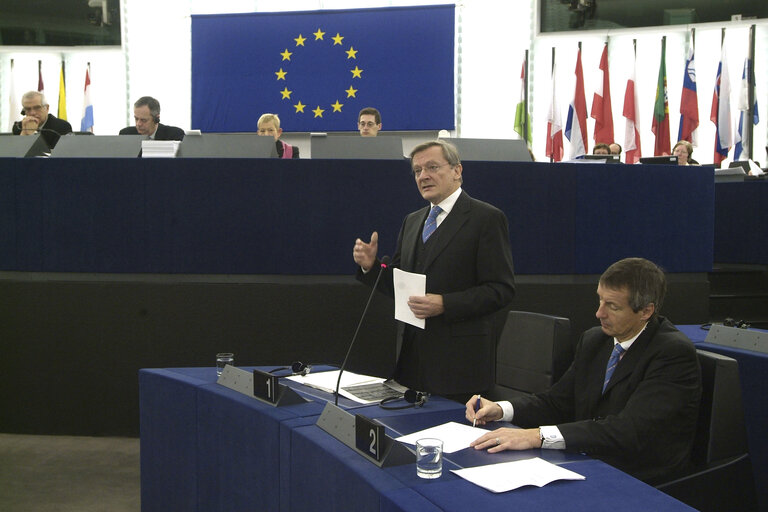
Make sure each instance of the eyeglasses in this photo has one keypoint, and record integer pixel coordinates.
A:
(431, 169)
(34, 108)
(369, 124)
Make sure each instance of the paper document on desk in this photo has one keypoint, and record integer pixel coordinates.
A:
(507, 476)
(406, 285)
(326, 381)
(455, 436)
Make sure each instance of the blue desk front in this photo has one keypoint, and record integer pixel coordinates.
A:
(753, 369)
(205, 447)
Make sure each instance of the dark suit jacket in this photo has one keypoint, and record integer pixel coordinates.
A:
(470, 264)
(51, 131)
(163, 132)
(645, 422)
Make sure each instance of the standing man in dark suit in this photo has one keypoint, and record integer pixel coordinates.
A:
(146, 114)
(38, 120)
(631, 396)
(467, 261)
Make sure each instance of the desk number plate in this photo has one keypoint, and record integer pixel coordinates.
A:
(265, 386)
(369, 437)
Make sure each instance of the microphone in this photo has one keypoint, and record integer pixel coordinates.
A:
(384, 263)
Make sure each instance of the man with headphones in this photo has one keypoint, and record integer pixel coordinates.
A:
(37, 119)
(146, 114)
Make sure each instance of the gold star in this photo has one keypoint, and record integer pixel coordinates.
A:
(337, 106)
(356, 73)
(318, 111)
(319, 35)
(281, 74)
(300, 40)
(351, 92)
(352, 53)
(286, 54)
(286, 94)
(299, 107)
(337, 39)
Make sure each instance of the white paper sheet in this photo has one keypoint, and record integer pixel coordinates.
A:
(507, 476)
(326, 381)
(455, 436)
(406, 285)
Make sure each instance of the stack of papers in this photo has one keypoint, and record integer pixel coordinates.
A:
(159, 148)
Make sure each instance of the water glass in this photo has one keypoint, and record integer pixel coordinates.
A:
(223, 359)
(429, 458)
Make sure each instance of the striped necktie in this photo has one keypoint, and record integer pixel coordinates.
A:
(612, 362)
(431, 224)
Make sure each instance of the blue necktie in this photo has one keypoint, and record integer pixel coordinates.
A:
(612, 362)
(431, 224)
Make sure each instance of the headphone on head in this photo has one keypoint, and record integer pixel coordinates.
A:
(414, 399)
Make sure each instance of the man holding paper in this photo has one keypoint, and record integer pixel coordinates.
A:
(631, 396)
(462, 247)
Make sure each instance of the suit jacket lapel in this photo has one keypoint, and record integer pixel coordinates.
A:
(448, 228)
(411, 238)
(633, 355)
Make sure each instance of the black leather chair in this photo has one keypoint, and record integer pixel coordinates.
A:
(721, 477)
(533, 351)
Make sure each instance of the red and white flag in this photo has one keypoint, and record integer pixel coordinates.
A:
(576, 124)
(554, 125)
(601, 104)
(632, 149)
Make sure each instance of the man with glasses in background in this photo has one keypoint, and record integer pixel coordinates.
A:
(462, 246)
(38, 120)
(369, 122)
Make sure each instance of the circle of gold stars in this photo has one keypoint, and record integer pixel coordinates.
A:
(356, 73)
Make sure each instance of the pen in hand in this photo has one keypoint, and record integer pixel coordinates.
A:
(477, 408)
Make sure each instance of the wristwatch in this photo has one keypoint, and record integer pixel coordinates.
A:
(550, 438)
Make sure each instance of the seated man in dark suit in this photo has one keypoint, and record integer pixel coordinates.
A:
(38, 120)
(631, 396)
(146, 113)
(269, 126)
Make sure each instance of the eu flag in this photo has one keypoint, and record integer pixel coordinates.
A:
(317, 69)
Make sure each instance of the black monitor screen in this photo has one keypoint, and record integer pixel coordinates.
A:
(60, 23)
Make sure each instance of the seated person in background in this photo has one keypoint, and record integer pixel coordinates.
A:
(615, 149)
(683, 150)
(146, 114)
(269, 126)
(601, 149)
(631, 396)
(37, 119)
(369, 122)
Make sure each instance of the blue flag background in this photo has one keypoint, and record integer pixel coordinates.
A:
(317, 69)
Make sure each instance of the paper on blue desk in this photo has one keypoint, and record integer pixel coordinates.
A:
(406, 285)
(455, 436)
(507, 476)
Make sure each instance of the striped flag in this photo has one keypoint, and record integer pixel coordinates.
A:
(660, 124)
(86, 122)
(689, 102)
(554, 125)
(632, 149)
(740, 139)
(40, 86)
(576, 124)
(13, 102)
(721, 109)
(601, 104)
(62, 113)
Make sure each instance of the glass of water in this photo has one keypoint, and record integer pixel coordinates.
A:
(223, 359)
(429, 458)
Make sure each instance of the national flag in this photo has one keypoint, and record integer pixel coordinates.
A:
(632, 149)
(40, 86)
(318, 69)
(522, 119)
(721, 109)
(660, 124)
(689, 102)
(554, 125)
(740, 139)
(601, 104)
(576, 124)
(86, 121)
(13, 102)
(62, 113)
